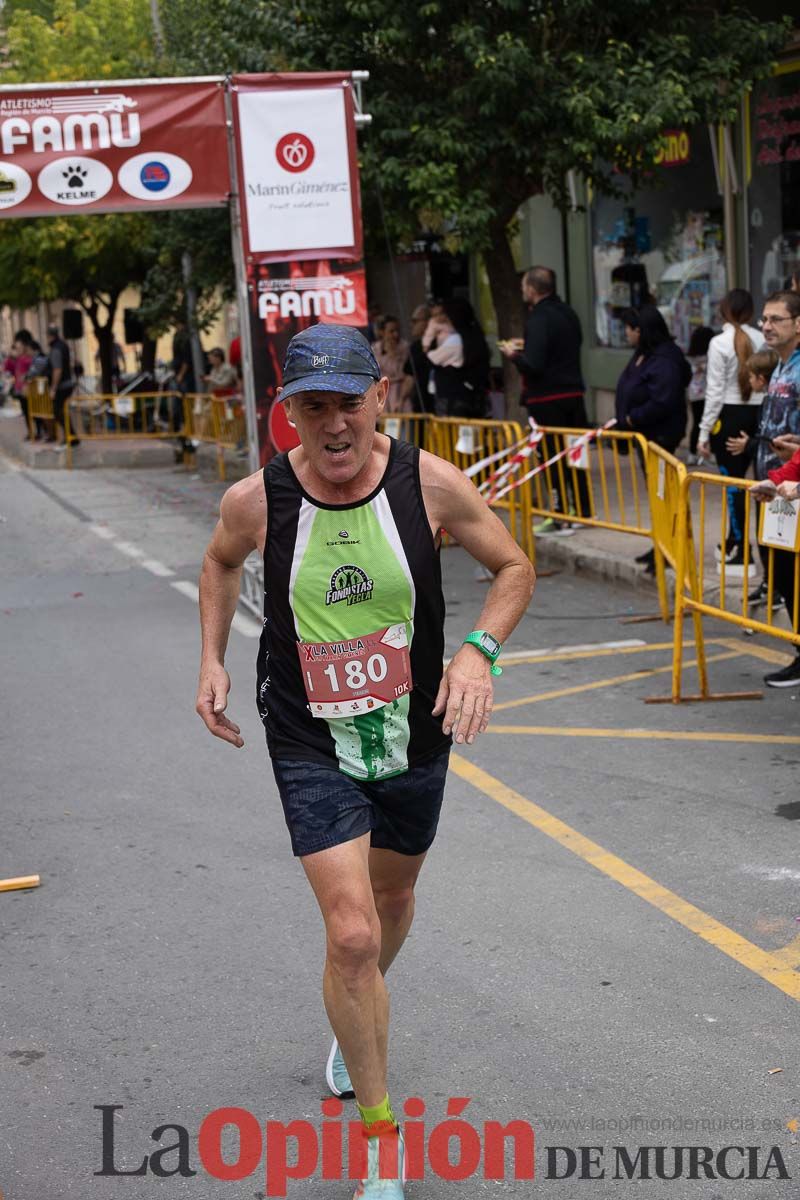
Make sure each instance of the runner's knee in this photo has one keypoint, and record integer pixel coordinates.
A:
(393, 903)
(353, 944)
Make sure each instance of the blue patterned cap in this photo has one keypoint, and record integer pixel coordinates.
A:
(329, 358)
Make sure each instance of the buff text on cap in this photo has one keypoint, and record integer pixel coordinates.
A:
(329, 358)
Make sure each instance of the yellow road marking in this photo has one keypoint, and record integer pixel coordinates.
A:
(768, 965)
(569, 655)
(644, 673)
(789, 955)
(655, 735)
(782, 657)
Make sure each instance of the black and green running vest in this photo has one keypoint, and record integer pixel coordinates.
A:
(335, 571)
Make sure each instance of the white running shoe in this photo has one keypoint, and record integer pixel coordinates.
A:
(337, 1075)
(374, 1187)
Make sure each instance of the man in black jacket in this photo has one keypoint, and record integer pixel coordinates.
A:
(62, 383)
(549, 361)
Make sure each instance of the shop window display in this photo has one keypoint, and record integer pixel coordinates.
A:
(664, 244)
(774, 177)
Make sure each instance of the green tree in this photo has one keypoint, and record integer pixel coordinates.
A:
(98, 39)
(92, 259)
(478, 105)
(88, 260)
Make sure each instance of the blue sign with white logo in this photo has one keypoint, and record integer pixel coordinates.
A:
(155, 176)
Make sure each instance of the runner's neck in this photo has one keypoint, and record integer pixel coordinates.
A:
(355, 490)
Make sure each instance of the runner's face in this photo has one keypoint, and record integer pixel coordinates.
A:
(337, 431)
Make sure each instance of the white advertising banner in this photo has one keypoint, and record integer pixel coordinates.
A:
(296, 170)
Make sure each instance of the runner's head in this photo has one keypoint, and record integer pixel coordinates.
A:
(333, 393)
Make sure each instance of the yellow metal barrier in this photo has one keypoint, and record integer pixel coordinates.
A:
(734, 582)
(137, 415)
(219, 421)
(39, 402)
(408, 427)
(671, 529)
(464, 442)
(594, 489)
(600, 487)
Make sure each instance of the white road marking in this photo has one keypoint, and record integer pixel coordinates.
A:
(773, 874)
(157, 568)
(242, 624)
(187, 589)
(103, 531)
(566, 649)
(135, 552)
(150, 564)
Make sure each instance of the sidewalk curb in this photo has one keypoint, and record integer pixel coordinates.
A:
(567, 556)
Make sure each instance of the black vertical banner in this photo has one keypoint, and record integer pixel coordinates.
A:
(284, 299)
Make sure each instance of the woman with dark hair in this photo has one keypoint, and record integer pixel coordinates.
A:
(731, 410)
(651, 391)
(457, 348)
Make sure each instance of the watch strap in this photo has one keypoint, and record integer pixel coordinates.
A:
(474, 639)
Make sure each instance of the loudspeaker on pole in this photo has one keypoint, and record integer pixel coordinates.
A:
(134, 328)
(72, 324)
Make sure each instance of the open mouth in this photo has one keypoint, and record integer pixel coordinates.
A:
(337, 449)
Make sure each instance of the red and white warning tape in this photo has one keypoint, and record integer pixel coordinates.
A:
(517, 455)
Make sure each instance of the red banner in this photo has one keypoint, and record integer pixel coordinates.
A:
(125, 146)
(285, 298)
(298, 166)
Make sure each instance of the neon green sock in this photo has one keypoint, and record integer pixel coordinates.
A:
(377, 1114)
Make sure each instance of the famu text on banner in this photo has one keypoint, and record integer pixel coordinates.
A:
(120, 146)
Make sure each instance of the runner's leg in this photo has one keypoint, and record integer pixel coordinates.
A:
(393, 878)
(355, 995)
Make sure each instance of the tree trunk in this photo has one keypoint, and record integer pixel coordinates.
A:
(505, 289)
(148, 362)
(104, 332)
(105, 345)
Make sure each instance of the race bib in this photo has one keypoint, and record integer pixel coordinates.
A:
(360, 675)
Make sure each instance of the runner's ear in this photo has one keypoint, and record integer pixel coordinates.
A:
(382, 392)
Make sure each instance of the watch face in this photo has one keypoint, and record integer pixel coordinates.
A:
(490, 644)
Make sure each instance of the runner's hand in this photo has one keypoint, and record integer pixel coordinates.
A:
(465, 695)
(212, 700)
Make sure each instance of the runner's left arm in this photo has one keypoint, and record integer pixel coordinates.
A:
(454, 504)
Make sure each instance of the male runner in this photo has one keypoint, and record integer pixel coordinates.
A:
(357, 709)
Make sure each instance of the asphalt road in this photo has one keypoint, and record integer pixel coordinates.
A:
(607, 927)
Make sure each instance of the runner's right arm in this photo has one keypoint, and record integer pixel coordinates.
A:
(239, 531)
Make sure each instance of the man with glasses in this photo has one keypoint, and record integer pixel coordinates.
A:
(778, 438)
(357, 709)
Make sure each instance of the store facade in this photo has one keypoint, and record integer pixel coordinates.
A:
(720, 209)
